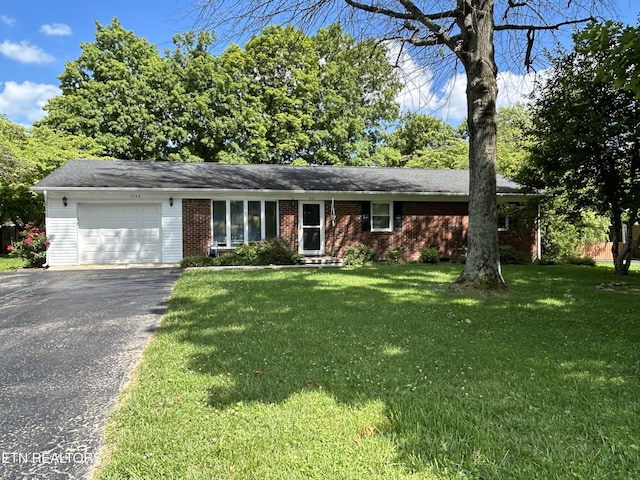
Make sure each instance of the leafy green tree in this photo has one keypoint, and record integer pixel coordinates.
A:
(356, 99)
(285, 97)
(588, 141)
(207, 104)
(622, 64)
(28, 155)
(322, 99)
(513, 141)
(424, 141)
(119, 92)
(427, 142)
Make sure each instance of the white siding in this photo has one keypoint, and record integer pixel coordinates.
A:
(172, 231)
(62, 222)
(62, 228)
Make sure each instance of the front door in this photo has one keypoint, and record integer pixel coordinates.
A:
(311, 232)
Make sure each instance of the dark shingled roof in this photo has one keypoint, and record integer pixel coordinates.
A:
(119, 174)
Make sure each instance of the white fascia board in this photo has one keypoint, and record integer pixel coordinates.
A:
(284, 194)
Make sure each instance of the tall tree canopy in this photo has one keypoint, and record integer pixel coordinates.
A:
(285, 97)
(588, 143)
(622, 65)
(463, 28)
(424, 141)
(119, 92)
(28, 155)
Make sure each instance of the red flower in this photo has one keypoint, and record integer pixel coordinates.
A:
(47, 243)
(9, 248)
(28, 241)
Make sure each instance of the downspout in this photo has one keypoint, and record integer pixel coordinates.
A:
(333, 227)
(46, 208)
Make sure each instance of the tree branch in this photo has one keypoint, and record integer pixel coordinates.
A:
(440, 34)
(383, 11)
(401, 15)
(542, 27)
(512, 4)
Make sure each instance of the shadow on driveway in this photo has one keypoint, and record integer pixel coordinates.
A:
(68, 342)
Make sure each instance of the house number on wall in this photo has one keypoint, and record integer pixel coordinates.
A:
(134, 195)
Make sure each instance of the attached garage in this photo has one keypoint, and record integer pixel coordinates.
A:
(119, 233)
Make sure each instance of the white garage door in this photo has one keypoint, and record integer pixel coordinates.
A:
(119, 233)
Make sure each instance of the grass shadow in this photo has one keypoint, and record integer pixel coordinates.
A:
(540, 383)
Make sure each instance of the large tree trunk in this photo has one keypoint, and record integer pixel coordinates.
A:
(482, 267)
(622, 257)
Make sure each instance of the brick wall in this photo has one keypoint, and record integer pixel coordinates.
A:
(438, 225)
(288, 210)
(196, 226)
(522, 232)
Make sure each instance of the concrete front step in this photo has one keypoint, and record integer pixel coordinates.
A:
(324, 260)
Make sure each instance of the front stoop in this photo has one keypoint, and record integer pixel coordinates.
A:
(324, 261)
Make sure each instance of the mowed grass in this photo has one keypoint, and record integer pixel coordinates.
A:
(383, 373)
(8, 263)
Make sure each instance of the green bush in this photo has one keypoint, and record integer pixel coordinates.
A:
(276, 252)
(509, 255)
(358, 255)
(273, 252)
(429, 255)
(248, 253)
(584, 261)
(396, 256)
(198, 261)
(566, 260)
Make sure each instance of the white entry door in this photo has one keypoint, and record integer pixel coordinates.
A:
(311, 230)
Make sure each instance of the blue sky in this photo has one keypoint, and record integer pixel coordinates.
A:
(37, 37)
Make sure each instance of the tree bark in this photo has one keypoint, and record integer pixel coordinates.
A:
(482, 267)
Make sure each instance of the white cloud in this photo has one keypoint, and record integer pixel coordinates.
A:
(514, 88)
(446, 99)
(7, 20)
(58, 29)
(23, 102)
(24, 52)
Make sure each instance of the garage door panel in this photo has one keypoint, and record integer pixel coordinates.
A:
(119, 234)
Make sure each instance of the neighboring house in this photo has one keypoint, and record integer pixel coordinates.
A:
(124, 212)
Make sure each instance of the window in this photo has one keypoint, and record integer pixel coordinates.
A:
(236, 222)
(219, 218)
(381, 215)
(508, 216)
(503, 222)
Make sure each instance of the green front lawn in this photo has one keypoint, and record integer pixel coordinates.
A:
(381, 372)
(8, 263)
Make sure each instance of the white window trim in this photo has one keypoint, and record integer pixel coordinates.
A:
(390, 227)
(245, 220)
(503, 227)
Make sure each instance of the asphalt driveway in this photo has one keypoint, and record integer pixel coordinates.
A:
(68, 342)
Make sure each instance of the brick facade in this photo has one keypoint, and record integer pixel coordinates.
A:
(196, 227)
(440, 225)
(288, 210)
(522, 232)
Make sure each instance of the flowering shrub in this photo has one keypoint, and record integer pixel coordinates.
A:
(32, 247)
